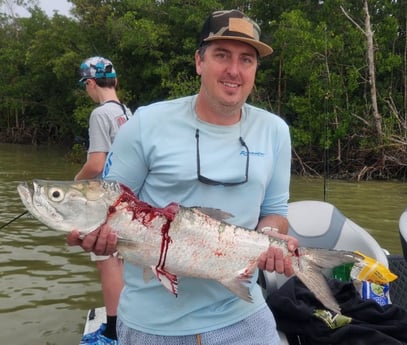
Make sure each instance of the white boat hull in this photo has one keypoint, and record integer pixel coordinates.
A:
(94, 319)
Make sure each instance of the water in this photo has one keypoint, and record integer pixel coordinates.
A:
(47, 287)
(376, 206)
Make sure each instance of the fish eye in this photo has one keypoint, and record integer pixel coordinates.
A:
(56, 194)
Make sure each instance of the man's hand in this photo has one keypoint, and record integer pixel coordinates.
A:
(101, 241)
(274, 260)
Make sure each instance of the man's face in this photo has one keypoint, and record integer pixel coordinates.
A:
(228, 71)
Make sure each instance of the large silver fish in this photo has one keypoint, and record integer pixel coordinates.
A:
(175, 240)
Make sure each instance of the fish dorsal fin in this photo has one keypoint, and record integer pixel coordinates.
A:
(214, 213)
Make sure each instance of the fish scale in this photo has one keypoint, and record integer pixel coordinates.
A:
(175, 240)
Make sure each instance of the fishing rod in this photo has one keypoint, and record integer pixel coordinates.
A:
(326, 149)
(14, 219)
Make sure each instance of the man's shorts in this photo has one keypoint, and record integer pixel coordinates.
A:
(259, 329)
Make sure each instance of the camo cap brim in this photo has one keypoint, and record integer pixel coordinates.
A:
(234, 25)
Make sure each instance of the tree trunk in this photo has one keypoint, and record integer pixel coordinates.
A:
(372, 73)
(368, 33)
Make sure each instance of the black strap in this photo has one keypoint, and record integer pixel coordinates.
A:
(121, 104)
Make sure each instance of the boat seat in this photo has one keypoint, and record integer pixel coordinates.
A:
(403, 232)
(398, 265)
(398, 291)
(320, 224)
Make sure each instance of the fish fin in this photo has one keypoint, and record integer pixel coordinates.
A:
(239, 285)
(315, 281)
(167, 279)
(147, 275)
(328, 258)
(215, 213)
(309, 267)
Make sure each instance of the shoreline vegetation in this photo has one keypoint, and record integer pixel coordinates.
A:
(393, 170)
(337, 76)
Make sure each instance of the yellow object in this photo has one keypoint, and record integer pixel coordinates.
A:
(371, 270)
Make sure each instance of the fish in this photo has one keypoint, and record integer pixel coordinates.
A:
(175, 241)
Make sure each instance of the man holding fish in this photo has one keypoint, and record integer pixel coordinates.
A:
(209, 150)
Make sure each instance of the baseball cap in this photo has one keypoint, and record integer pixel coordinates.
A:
(233, 25)
(96, 67)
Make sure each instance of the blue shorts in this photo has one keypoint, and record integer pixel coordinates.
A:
(257, 329)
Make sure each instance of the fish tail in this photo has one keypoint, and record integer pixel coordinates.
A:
(327, 258)
(309, 266)
(315, 281)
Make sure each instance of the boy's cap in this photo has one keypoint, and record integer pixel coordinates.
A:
(233, 25)
(96, 67)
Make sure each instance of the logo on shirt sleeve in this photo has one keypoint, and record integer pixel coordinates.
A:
(108, 164)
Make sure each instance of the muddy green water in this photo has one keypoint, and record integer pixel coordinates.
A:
(47, 287)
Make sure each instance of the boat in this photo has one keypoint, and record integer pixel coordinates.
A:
(403, 232)
(321, 224)
(398, 265)
(94, 318)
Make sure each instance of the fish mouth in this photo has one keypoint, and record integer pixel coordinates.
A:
(30, 195)
(26, 195)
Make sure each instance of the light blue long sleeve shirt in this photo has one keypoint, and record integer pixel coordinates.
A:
(155, 154)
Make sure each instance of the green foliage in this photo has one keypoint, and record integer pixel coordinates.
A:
(317, 78)
(77, 154)
(182, 85)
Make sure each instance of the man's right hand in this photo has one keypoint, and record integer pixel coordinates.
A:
(101, 241)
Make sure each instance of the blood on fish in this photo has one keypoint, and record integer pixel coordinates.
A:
(146, 214)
